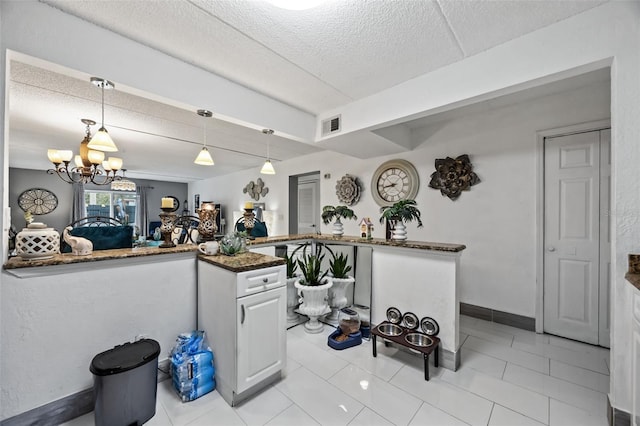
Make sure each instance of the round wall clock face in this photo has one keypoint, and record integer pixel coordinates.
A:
(393, 181)
(38, 201)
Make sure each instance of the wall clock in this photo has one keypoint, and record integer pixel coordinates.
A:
(38, 201)
(393, 181)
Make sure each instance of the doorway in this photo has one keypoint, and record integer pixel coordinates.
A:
(576, 235)
(304, 203)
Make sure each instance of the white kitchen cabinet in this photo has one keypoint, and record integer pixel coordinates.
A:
(243, 315)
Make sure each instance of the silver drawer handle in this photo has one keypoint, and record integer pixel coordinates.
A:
(242, 318)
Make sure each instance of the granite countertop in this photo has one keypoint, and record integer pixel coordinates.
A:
(97, 255)
(247, 261)
(231, 263)
(347, 239)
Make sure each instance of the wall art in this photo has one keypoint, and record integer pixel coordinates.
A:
(453, 175)
(348, 190)
(256, 189)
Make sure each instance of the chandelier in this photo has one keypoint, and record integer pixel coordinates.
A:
(90, 165)
(123, 184)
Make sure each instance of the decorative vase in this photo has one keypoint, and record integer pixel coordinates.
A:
(338, 295)
(338, 229)
(292, 299)
(399, 232)
(36, 241)
(207, 227)
(313, 303)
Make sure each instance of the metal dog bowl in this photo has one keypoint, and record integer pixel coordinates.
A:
(390, 329)
(418, 339)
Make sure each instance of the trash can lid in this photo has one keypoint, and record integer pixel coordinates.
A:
(125, 357)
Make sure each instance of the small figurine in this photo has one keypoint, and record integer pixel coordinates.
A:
(79, 246)
(363, 228)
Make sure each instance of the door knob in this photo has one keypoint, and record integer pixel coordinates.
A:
(551, 248)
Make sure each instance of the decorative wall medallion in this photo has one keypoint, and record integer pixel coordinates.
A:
(393, 181)
(348, 190)
(38, 201)
(255, 190)
(452, 176)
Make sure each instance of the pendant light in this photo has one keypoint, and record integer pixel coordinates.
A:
(101, 141)
(204, 157)
(267, 168)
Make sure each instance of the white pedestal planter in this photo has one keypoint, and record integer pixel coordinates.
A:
(313, 303)
(399, 231)
(338, 229)
(292, 299)
(338, 295)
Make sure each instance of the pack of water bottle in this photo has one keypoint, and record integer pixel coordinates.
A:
(192, 370)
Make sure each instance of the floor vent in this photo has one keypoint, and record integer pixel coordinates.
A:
(331, 125)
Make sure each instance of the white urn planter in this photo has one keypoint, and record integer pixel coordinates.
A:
(313, 303)
(292, 299)
(338, 295)
(338, 228)
(399, 232)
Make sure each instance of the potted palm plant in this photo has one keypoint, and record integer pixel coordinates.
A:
(339, 268)
(337, 212)
(292, 295)
(312, 286)
(399, 213)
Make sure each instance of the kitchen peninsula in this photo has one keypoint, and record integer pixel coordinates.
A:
(62, 311)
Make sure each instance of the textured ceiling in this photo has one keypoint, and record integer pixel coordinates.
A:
(314, 60)
(324, 57)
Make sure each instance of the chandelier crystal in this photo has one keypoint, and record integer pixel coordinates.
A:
(90, 165)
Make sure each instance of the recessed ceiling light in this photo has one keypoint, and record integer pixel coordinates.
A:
(295, 4)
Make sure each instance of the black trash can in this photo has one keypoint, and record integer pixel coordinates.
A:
(125, 383)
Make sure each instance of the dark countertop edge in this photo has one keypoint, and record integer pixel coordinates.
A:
(419, 245)
(634, 279)
(258, 261)
(99, 255)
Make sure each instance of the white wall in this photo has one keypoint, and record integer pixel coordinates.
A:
(53, 325)
(496, 219)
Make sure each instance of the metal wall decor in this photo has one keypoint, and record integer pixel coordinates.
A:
(453, 175)
(38, 201)
(256, 189)
(348, 190)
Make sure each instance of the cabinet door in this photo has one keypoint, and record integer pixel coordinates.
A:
(261, 336)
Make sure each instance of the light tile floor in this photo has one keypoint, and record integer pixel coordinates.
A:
(508, 377)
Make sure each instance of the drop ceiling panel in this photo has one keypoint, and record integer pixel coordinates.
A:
(355, 46)
(189, 33)
(481, 25)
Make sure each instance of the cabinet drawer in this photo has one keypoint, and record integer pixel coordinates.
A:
(264, 279)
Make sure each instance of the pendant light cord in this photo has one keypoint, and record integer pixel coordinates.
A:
(102, 85)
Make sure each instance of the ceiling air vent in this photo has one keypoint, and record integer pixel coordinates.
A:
(331, 125)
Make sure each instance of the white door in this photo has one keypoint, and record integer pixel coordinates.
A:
(572, 262)
(261, 339)
(308, 209)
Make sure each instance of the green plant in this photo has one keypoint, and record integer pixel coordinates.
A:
(337, 212)
(404, 210)
(311, 267)
(292, 266)
(338, 266)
